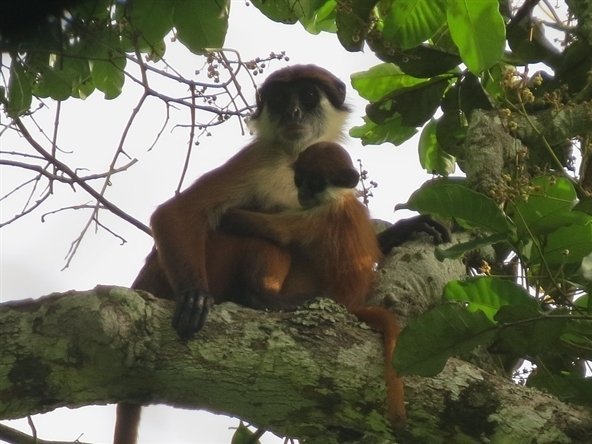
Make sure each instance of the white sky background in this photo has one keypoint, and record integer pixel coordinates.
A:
(32, 253)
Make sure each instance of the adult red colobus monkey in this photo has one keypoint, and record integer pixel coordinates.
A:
(193, 261)
(197, 264)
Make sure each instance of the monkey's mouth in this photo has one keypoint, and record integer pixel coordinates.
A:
(294, 130)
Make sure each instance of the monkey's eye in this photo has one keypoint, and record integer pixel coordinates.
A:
(309, 96)
(277, 98)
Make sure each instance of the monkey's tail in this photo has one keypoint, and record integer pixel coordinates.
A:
(386, 322)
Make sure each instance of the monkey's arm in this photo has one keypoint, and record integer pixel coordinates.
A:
(402, 231)
(278, 228)
(180, 227)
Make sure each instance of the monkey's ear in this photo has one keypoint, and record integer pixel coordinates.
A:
(345, 178)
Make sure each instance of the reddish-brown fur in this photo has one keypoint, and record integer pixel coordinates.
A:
(196, 264)
(337, 237)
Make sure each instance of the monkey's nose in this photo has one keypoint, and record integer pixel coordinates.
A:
(295, 113)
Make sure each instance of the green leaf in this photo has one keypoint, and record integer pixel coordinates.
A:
(478, 30)
(584, 205)
(243, 435)
(411, 22)
(380, 80)
(56, 84)
(577, 338)
(459, 250)
(451, 131)
(547, 208)
(565, 246)
(151, 19)
(471, 95)
(353, 23)
(447, 330)
(423, 61)
(526, 332)
(431, 155)
(320, 18)
(451, 199)
(570, 388)
(201, 24)
(63, 80)
(584, 302)
(282, 11)
(20, 93)
(488, 294)
(415, 104)
(108, 76)
(392, 131)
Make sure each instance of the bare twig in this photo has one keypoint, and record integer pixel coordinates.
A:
(12, 436)
(67, 170)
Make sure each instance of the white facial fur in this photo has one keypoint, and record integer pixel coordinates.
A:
(327, 126)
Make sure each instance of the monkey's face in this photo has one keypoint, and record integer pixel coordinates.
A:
(315, 190)
(322, 173)
(296, 114)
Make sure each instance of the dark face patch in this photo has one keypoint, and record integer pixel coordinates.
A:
(296, 103)
(323, 80)
(295, 110)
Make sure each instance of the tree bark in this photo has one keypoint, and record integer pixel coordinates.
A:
(315, 374)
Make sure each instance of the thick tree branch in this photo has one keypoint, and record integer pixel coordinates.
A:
(314, 374)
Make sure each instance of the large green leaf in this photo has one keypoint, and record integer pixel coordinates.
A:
(577, 336)
(411, 22)
(451, 131)
(353, 23)
(422, 61)
(20, 94)
(447, 330)
(151, 19)
(488, 294)
(547, 208)
(431, 155)
(201, 24)
(380, 80)
(283, 11)
(570, 388)
(584, 205)
(320, 16)
(415, 104)
(65, 79)
(565, 246)
(524, 332)
(392, 131)
(478, 30)
(469, 95)
(108, 75)
(458, 250)
(451, 198)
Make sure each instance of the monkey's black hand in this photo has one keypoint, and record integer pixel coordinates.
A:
(191, 311)
(402, 231)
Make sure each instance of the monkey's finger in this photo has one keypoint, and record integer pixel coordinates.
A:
(203, 303)
(183, 313)
(191, 312)
(436, 230)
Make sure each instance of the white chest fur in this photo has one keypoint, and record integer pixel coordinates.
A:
(274, 186)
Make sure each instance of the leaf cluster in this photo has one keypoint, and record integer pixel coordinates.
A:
(86, 46)
(547, 319)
